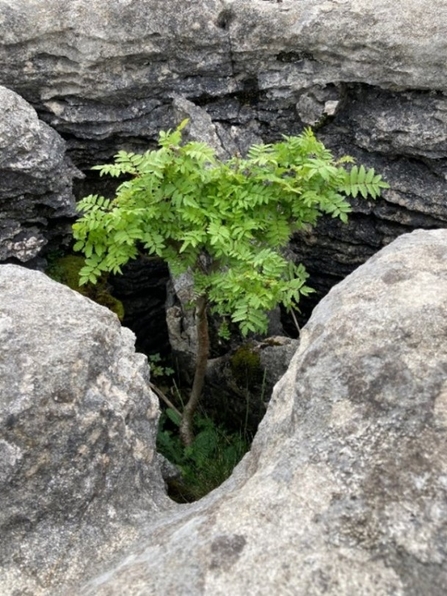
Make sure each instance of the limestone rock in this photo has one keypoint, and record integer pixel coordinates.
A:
(239, 384)
(226, 141)
(344, 491)
(78, 472)
(200, 126)
(369, 74)
(275, 355)
(36, 181)
(109, 68)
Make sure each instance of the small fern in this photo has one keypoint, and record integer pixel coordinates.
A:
(204, 464)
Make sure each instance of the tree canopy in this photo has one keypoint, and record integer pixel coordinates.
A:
(226, 221)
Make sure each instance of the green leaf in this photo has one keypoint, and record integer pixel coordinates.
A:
(361, 175)
(173, 416)
(369, 176)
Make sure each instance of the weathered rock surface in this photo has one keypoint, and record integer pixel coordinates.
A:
(368, 74)
(239, 384)
(78, 473)
(344, 491)
(36, 176)
(102, 69)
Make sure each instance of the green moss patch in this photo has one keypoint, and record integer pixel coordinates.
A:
(66, 270)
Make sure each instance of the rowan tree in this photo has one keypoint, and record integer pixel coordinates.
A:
(227, 222)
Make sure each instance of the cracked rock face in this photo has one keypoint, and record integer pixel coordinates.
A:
(344, 491)
(370, 75)
(36, 196)
(78, 472)
(102, 68)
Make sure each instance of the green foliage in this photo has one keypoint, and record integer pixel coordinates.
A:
(158, 367)
(207, 462)
(225, 220)
(66, 270)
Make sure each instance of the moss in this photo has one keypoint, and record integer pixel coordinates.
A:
(246, 366)
(66, 269)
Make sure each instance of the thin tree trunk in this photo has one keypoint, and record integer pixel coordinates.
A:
(186, 425)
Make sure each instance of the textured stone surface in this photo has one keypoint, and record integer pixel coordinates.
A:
(344, 491)
(78, 473)
(103, 68)
(36, 181)
(368, 73)
(239, 384)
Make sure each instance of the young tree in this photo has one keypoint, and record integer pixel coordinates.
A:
(225, 221)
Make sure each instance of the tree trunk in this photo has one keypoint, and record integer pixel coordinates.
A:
(186, 425)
